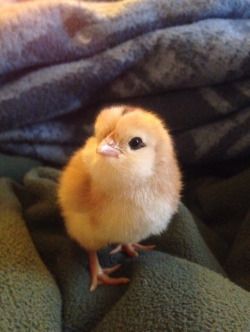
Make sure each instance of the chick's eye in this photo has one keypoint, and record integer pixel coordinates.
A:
(136, 143)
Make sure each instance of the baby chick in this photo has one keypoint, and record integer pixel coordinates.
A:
(121, 187)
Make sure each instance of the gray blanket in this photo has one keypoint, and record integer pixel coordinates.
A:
(188, 60)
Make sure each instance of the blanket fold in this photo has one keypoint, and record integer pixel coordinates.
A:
(64, 58)
(181, 286)
(30, 299)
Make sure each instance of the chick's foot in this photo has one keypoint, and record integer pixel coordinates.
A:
(131, 249)
(101, 276)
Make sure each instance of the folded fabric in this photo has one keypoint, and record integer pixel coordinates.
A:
(60, 57)
(181, 286)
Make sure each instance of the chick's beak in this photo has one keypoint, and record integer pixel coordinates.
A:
(108, 148)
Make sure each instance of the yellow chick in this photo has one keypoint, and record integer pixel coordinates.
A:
(121, 187)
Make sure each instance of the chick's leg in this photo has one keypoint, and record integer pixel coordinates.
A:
(100, 275)
(131, 249)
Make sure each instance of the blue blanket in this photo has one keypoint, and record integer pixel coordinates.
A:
(60, 61)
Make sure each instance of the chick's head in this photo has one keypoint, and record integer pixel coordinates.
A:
(131, 143)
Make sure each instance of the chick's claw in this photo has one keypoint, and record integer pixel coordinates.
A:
(101, 276)
(131, 249)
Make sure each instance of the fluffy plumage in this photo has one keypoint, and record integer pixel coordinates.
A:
(121, 187)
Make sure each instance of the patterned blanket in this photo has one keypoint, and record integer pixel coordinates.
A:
(60, 61)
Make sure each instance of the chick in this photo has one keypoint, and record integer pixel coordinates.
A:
(121, 187)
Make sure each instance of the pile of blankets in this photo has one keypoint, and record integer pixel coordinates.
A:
(187, 60)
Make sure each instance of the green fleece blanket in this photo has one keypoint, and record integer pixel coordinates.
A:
(196, 279)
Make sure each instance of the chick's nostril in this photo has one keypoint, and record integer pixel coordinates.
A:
(109, 141)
